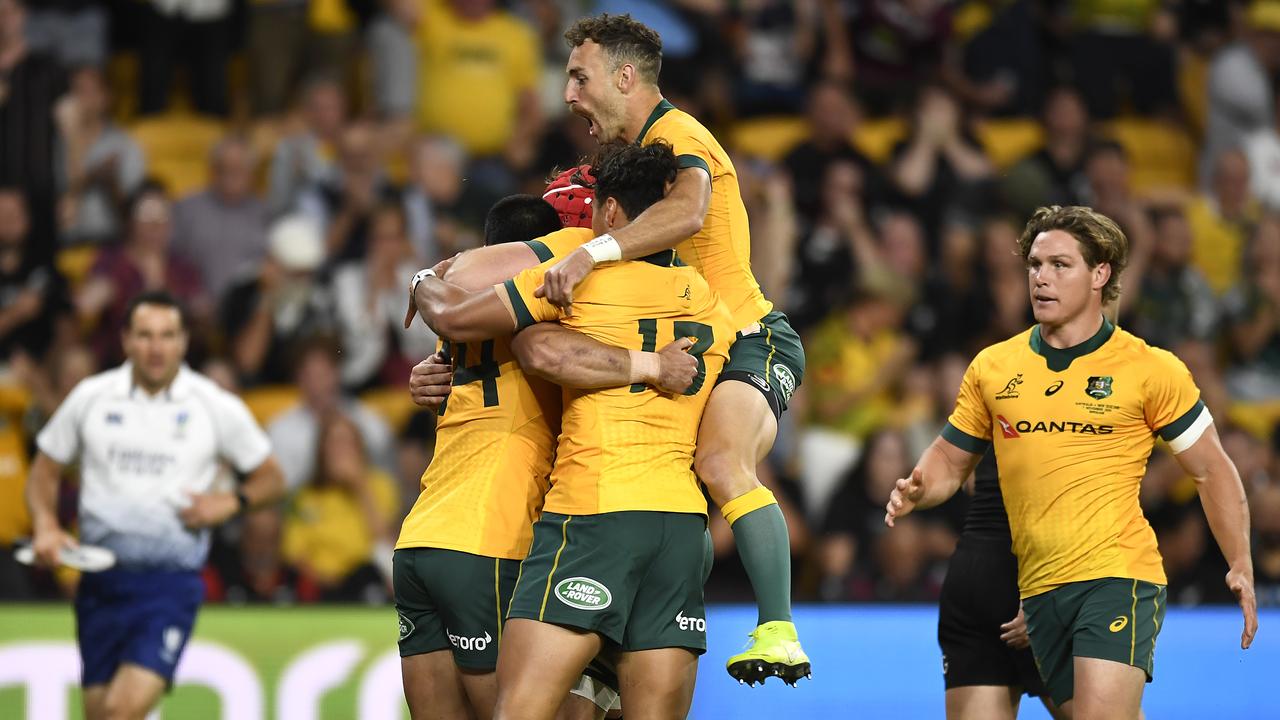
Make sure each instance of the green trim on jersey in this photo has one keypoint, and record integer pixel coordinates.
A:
(661, 109)
(1060, 359)
(693, 161)
(964, 440)
(540, 249)
(1171, 431)
(524, 318)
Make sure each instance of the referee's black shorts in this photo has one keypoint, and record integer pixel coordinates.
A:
(979, 595)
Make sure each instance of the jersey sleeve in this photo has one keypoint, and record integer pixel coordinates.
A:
(969, 427)
(558, 244)
(1172, 404)
(60, 437)
(527, 308)
(240, 440)
(691, 147)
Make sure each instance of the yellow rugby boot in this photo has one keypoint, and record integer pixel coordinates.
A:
(774, 650)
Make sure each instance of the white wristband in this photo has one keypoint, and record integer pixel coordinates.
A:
(603, 249)
(646, 367)
(422, 274)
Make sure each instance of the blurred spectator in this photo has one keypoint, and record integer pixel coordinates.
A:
(856, 358)
(1122, 54)
(1253, 315)
(442, 214)
(1175, 304)
(1111, 193)
(414, 449)
(954, 304)
(1222, 220)
(771, 213)
(276, 38)
(471, 49)
(295, 434)
(102, 165)
(1262, 147)
(1054, 174)
(32, 294)
(30, 85)
(370, 298)
(196, 33)
(1006, 283)
(255, 571)
(774, 42)
(1239, 87)
(307, 156)
(1265, 507)
(833, 119)
(51, 382)
(222, 229)
(343, 204)
(144, 262)
(341, 517)
(940, 168)
(74, 32)
(266, 313)
(860, 559)
(897, 46)
(395, 59)
(1002, 64)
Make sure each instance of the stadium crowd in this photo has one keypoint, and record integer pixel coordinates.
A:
(285, 166)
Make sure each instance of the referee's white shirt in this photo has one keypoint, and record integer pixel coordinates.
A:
(141, 456)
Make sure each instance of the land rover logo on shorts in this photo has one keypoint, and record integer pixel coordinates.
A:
(583, 593)
(406, 627)
(1099, 387)
(786, 380)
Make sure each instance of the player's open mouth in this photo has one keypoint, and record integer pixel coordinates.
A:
(591, 125)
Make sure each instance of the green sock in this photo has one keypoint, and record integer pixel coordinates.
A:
(765, 549)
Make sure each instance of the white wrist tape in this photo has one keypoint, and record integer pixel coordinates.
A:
(422, 274)
(604, 249)
(646, 367)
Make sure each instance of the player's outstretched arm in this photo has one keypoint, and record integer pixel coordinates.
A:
(462, 315)
(665, 224)
(942, 469)
(572, 359)
(42, 500)
(1227, 509)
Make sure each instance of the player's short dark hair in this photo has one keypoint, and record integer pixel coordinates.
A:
(519, 218)
(623, 39)
(155, 298)
(635, 176)
(1105, 147)
(1101, 239)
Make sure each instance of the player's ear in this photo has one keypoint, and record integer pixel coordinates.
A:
(626, 77)
(610, 213)
(1101, 274)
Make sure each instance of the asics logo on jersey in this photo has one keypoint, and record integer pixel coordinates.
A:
(583, 593)
(1049, 391)
(1006, 427)
(691, 623)
(1118, 624)
(470, 643)
(1010, 391)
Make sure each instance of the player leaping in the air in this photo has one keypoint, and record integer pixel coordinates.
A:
(613, 75)
(1072, 443)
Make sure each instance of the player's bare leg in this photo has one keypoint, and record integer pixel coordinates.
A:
(433, 688)
(1106, 690)
(657, 684)
(482, 691)
(576, 707)
(133, 692)
(737, 431)
(538, 664)
(983, 702)
(94, 698)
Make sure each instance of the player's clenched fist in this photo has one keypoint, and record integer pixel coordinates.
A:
(560, 279)
(678, 367)
(430, 381)
(906, 493)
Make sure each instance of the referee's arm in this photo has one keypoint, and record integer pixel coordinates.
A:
(263, 486)
(42, 500)
(942, 469)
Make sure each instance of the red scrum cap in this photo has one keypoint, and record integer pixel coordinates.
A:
(572, 193)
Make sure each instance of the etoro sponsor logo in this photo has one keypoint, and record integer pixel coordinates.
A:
(691, 623)
(479, 644)
(583, 593)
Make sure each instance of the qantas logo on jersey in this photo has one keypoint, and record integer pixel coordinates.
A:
(1016, 429)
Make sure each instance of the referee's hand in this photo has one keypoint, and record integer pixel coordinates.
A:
(906, 493)
(48, 545)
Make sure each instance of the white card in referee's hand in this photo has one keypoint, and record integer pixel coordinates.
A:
(86, 558)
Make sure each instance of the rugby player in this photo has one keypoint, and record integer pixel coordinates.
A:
(1073, 406)
(460, 547)
(617, 556)
(613, 83)
(149, 436)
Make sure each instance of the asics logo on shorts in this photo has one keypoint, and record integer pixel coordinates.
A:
(691, 623)
(470, 643)
(1119, 623)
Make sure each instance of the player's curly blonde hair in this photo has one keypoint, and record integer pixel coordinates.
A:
(1101, 239)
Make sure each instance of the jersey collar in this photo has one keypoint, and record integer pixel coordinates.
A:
(177, 390)
(662, 108)
(1060, 359)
